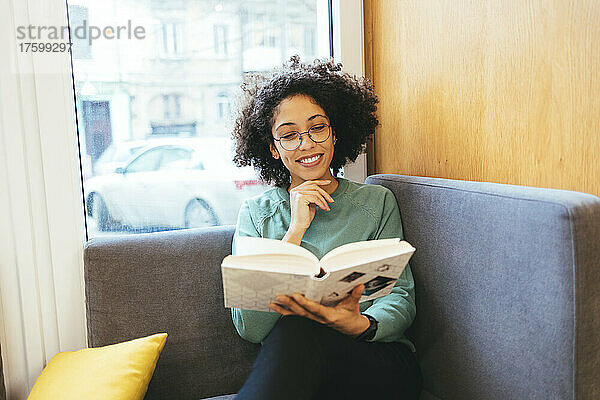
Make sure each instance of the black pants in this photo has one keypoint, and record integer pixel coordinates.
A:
(303, 359)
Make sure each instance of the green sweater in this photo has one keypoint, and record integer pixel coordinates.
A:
(360, 212)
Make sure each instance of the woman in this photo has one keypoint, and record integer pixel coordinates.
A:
(294, 126)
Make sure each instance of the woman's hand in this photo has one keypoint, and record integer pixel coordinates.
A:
(304, 200)
(345, 317)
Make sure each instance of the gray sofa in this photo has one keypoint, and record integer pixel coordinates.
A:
(507, 289)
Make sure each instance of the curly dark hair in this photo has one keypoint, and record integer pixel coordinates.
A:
(348, 101)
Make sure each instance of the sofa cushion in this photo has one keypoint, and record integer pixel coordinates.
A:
(117, 371)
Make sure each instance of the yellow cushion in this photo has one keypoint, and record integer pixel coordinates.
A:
(118, 371)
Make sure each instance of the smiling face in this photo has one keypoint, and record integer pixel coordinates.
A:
(300, 113)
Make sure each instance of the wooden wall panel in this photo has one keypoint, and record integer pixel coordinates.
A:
(487, 90)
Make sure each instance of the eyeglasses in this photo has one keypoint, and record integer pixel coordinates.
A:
(293, 139)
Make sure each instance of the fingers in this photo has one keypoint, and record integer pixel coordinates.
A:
(314, 186)
(307, 194)
(313, 307)
(326, 195)
(313, 198)
(291, 305)
(320, 194)
(358, 291)
(316, 181)
(276, 307)
(355, 296)
(294, 309)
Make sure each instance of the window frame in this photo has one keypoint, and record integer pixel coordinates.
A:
(42, 298)
(348, 48)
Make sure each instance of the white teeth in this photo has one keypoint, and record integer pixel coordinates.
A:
(310, 160)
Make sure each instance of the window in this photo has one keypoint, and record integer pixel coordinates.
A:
(97, 124)
(296, 36)
(257, 29)
(175, 159)
(172, 129)
(171, 38)
(168, 114)
(79, 18)
(310, 40)
(221, 39)
(171, 106)
(223, 106)
(148, 161)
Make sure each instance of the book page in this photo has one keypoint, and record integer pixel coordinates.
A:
(367, 245)
(378, 274)
(287, 264)
(247, 245)
(254, 290)
(365, 252)
(262, 268)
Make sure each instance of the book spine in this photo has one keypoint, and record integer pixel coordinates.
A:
(316, 286)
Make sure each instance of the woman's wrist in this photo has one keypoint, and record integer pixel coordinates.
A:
(362, 325)
(294, 235)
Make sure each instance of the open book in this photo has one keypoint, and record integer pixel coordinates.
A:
(263, 268)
